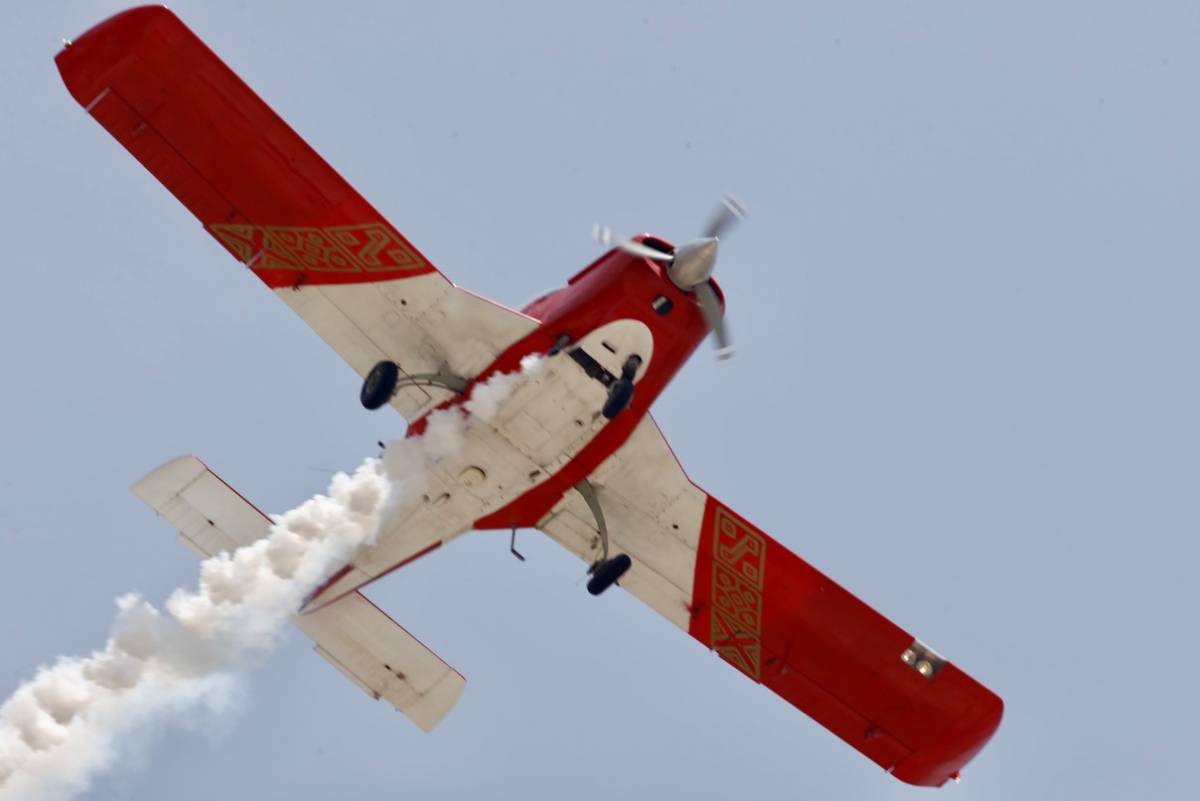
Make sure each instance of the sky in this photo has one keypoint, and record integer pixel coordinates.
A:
(965, 308)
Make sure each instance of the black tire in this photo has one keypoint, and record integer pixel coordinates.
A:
(619, 397)
(607, 573)
(630, 368)
(379, 385)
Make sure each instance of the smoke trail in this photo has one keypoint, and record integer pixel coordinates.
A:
(68, 722)
(77, 716)
(486, 399)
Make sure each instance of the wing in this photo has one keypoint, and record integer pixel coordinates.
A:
(352, 634)
(277, 206)
(777, 619)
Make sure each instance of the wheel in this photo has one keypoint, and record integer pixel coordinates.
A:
(560, 342)
(606, 573)
(379, 385)
(619, 396)
(630, 368)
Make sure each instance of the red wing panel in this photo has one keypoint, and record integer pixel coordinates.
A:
(781, 622)
(256, 186)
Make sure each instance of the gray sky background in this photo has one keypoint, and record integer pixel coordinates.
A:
(966, 387)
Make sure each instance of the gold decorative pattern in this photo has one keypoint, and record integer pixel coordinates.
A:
(344, 248)
(739, 562)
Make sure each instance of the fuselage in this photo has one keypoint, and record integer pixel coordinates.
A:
(615, 287)
(512, 471)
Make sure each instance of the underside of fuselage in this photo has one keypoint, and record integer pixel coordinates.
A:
(618, 316)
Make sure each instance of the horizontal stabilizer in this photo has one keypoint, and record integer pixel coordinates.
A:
(383, 659)
(352, 634)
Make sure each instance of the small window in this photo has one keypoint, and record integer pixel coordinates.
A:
(662, 304)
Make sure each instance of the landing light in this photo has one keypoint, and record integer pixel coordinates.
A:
(923, 659)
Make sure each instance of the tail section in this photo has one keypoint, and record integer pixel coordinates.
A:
(352, 634)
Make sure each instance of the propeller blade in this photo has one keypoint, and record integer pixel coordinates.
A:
(710, 305)
(610, 238)
(728, 213)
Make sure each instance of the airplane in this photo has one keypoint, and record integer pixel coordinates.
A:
(574, 453)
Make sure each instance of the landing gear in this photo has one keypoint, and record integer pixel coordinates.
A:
(606, 572)
(560, 342)
(379, 385)
(620, 393)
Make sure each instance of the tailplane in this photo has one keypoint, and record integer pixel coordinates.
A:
(352, 634)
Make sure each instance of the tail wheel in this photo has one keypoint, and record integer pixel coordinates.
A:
(379, 385)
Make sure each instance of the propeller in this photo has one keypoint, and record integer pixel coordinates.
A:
(730, 212)
(690, 265)
(610, 238)
(714, 315)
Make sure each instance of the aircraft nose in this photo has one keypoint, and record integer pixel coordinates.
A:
(694, 262)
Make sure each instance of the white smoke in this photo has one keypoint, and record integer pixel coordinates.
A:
(486, 400)
(76, 717)
(69, 721)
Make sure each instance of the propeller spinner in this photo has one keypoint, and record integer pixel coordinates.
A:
(690, 265)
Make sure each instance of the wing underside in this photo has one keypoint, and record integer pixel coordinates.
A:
(777, 619)
(273, 203)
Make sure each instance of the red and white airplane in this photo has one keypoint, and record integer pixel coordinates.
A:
(573, 453)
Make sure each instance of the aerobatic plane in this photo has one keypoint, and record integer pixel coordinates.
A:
(573, 452)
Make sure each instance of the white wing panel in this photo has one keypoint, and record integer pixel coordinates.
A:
(654, 514)
(422, 323)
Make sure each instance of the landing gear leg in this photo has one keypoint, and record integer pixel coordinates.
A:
(559, 343)
(621, 391)
(605, 571)
(381, 383)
